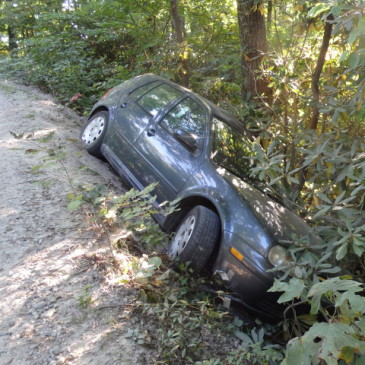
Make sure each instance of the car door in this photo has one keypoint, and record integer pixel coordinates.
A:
(130, 121)
(134, 114)
(171, 147)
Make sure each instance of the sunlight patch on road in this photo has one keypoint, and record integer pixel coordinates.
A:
(6, 212)
(17, 138)
(47, 102)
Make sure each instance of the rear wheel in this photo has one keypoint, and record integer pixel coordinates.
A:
(195, 237)
(93, 132)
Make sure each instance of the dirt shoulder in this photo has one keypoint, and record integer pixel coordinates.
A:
(47, 276)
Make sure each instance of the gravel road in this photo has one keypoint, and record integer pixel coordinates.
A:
(47, 273)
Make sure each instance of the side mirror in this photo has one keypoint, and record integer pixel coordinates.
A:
(186, 138)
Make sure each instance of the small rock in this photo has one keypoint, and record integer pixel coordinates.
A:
(11, 324)
(56, 350)
(60, 360)
(49, 313)
(40, 305)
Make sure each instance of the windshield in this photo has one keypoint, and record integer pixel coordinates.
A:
(235, 152)
(232, 150)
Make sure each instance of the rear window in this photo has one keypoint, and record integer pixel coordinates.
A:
(155, 100)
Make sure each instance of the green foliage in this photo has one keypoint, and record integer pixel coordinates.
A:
(96, 45)
(334, 198)
(188, 327)
(340, 303)
(255, 349)
(131, 210)
(321, 174)
(85, 298)
(325, 341)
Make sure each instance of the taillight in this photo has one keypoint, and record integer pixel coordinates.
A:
(107, 93)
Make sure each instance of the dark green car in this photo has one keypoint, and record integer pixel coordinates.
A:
(152, 130)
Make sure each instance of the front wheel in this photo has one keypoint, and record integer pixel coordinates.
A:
(195, 237)
(93, 132)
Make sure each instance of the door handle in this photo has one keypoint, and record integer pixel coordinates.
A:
(151, 132)
(124, 105)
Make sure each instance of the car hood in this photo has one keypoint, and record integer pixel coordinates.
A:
(280, 222)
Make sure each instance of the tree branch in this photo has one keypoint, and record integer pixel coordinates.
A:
(318, 71)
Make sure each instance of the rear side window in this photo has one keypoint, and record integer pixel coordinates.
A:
(155, 100)
(137, 93)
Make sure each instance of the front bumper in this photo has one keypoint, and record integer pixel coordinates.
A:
(248, 276)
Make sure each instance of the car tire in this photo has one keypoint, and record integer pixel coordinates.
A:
(195, 238)
(92, 134)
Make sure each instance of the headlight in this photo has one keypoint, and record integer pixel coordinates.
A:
(277, 255)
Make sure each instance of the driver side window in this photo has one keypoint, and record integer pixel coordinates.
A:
(187, 116)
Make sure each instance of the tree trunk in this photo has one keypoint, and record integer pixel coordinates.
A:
(253, 43)
(12, 38)
(313, 123)
(179, 27)
(269, 16)
(318, 71)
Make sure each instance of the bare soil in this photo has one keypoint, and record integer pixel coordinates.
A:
(48, 273)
